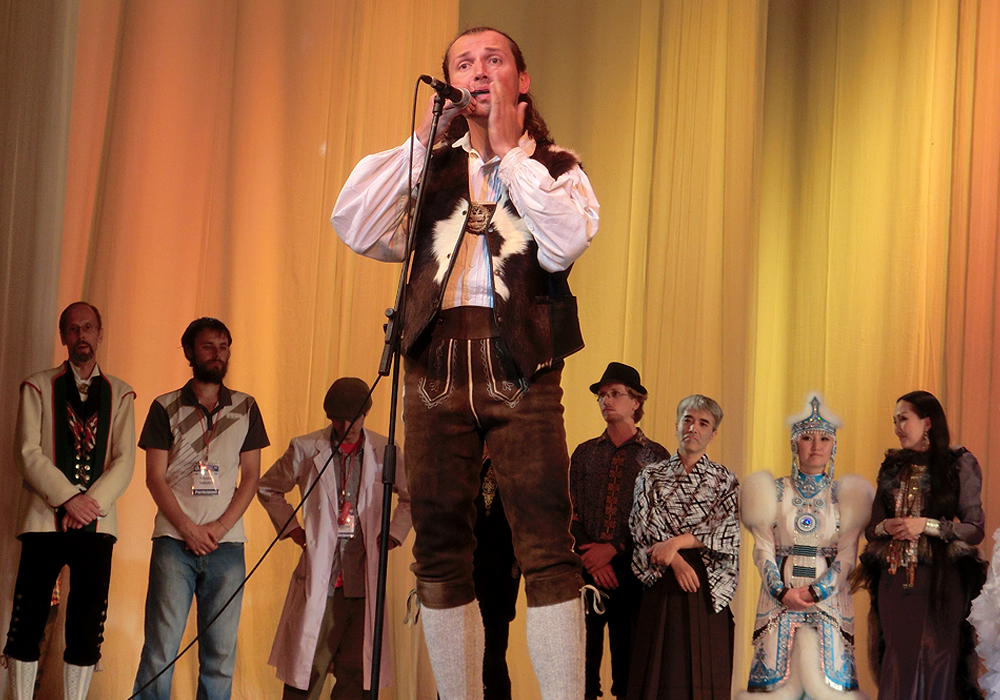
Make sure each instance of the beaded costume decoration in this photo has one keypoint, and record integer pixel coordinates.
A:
(808, 501)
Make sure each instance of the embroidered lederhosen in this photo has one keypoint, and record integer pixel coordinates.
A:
(487, 367)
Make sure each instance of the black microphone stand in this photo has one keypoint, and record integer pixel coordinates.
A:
(391, 356)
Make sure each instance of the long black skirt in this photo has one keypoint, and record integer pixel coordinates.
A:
(681, 648)
(922, 647)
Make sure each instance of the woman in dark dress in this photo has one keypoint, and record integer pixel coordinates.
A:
(921, 564)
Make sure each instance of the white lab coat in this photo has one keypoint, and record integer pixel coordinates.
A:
(298, 630)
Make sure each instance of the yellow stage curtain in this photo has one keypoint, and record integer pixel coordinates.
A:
(854, 223)
(207, 144)
(971, 384)
(795, 196)
(36, 82)
(779, 212)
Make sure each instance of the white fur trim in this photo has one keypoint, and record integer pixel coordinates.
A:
(758, 500)
(805, 655)
(515, 236)
(804, 675)
(445, 237)
(855, 496)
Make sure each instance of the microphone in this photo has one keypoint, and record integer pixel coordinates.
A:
(460, 97)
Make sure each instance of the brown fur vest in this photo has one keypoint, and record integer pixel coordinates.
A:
(534, 310)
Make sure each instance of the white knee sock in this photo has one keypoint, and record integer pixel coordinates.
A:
(22, 678)
(76, 681)
(556, 636)
(454, 639)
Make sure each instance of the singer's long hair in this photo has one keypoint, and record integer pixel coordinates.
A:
(533, 122)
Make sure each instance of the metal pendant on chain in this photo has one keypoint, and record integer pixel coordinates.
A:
(807, 517)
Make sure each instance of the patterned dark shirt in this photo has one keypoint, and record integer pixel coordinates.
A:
(670, 502)
(602, 481)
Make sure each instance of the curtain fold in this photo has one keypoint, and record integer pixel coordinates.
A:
(207, 145)
(972, 348)
(37, 42)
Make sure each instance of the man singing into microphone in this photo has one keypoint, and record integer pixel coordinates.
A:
(489, 319)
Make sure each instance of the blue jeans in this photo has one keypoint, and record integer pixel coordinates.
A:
(175, 574)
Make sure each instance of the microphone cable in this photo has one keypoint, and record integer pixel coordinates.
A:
(335, 448)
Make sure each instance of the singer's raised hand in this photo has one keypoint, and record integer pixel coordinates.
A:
(506, 122)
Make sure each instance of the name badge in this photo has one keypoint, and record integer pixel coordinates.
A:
(346, 521)
(206, 479)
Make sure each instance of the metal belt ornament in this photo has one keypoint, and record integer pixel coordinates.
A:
(480, 214)
(909, 503)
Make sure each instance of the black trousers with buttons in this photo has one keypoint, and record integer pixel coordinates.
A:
(43, 555)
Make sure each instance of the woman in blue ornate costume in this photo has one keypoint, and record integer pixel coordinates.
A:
(921, 565)
(806, 528)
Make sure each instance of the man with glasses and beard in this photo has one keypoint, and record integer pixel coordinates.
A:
(75, 450)
(601, 484)
(202, 446)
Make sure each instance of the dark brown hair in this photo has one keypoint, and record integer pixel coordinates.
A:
(196, 327)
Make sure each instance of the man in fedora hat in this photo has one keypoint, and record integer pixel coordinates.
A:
(329, 612)
(602, 477)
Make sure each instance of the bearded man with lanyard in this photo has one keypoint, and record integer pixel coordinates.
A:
(199, 440)
(76, 450)
(489, 320)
